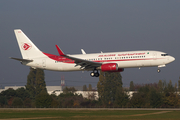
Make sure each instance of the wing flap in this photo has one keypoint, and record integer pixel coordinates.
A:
(84, 63)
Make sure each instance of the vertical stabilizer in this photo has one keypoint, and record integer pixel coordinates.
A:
(26, 46)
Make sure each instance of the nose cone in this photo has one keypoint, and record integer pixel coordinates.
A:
(172, 59)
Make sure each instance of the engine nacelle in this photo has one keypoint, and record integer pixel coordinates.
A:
(111, 67)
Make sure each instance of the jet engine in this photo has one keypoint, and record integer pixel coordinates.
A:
(111, 67)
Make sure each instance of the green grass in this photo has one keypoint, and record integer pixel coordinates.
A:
(89, 114)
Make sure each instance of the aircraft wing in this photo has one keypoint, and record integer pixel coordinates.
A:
(85, 64)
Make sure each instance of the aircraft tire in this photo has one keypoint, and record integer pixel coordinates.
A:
(92, 74)
(96, 74)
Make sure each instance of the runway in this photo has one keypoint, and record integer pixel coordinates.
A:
(176, 109)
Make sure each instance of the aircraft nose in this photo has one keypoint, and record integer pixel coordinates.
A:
(172, 59)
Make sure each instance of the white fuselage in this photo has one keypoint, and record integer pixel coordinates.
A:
(129, 59)
(106, 62)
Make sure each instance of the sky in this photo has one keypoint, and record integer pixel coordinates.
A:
(92, 25)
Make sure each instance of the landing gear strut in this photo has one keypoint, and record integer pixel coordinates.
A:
(95, 73)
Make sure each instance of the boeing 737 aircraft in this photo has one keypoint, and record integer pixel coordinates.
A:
(106, 62)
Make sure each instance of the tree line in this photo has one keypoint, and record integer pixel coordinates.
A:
(156, 95)
(110, 92)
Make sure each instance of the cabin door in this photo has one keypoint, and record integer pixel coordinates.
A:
(43, 63)
(154, 56)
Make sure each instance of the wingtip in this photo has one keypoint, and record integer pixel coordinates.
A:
(17, 30)
(60, 51)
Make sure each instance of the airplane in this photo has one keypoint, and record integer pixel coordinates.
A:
(106, 62)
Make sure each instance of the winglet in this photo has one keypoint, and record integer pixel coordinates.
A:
(60, 51)
(83, 52)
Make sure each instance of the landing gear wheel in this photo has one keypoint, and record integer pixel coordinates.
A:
(158, 70)
(96, 74)
(92, 74)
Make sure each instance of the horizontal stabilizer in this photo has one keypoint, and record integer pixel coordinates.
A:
(22, 60)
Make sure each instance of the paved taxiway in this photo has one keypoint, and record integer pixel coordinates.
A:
(89, 108)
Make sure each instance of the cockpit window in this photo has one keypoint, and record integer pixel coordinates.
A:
(164, 54)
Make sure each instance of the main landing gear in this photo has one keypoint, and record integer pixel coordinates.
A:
(95, 73)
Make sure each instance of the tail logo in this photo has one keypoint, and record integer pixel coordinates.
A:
(26, 46)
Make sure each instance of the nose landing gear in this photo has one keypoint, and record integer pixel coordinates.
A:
(158, 70)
